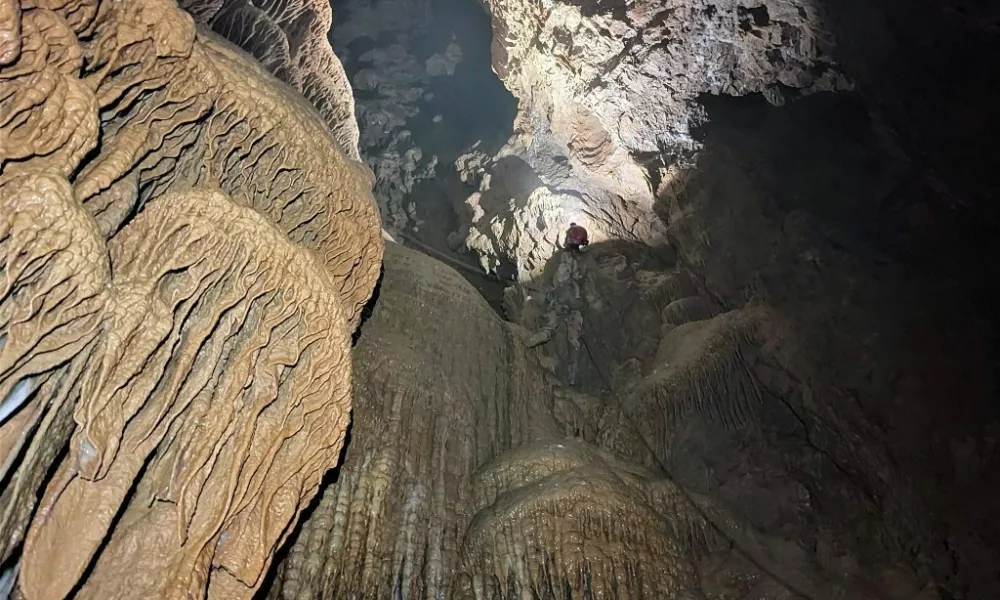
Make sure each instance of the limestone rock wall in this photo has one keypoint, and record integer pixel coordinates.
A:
(773, 218)
(441, 387)
(746, 410)
(185, 251)
(720, 463)
(607, 102)
(735, 399)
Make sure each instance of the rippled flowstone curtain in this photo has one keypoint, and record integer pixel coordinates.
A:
(185, 250)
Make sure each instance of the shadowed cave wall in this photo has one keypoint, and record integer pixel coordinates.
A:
(771, 375)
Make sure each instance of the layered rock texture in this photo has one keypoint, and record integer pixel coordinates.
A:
(473, 473)
(751, 385)
(710, 447)
(721, 394)
(290, 40)
(185, 251)
(607, 104)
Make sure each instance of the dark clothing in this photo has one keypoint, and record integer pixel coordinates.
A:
(576, 237)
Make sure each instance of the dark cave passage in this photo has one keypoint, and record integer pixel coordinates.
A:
(427, 95)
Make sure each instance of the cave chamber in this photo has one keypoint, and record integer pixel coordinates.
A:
(287, 310)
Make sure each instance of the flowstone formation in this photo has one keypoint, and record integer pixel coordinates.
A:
(701, 454)
(473, 473)
(185, 252)
(748, 407)
(290, 40)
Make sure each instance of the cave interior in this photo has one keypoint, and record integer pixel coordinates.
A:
(289, 310)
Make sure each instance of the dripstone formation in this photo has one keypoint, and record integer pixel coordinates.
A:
(743, 388)
(185, 252)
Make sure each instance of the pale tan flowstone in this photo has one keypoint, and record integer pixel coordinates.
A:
(185, 250)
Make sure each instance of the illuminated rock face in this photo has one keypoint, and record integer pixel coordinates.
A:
(290, 40)
(186, 248)
(607, 102)
(185, 252)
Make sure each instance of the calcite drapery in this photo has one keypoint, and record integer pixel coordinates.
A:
(185, 251)
(54, 290)
(290, 39)
(224, 376)
(436, 396)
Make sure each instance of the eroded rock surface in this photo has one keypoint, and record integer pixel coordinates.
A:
(721, 414)
(733, 398)
(459, 481)
(607, 104)
(185, 251)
